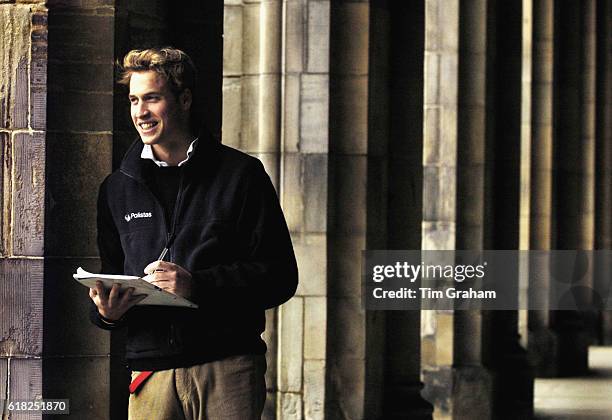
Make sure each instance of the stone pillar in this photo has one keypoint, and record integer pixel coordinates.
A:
(576, 165)
(396, 142)
(303, 321)
(542, 342)
(23, 61)
(453, 201)
(378, 130)
(350, 345)
(525, 199)
(252, 79)
(440, 104)
(197, 27)
(603, 194)
(512, 374)
(77, 362)
(588, 140)
(252, 48)
(473, 393)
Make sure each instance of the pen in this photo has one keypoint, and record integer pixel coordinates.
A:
(163, 254)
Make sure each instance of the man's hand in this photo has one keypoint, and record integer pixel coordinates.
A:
(113, 304)
(170, 277)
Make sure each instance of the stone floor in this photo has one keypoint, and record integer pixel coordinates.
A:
(583, 398)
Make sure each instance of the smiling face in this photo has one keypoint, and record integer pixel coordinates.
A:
(160, 117)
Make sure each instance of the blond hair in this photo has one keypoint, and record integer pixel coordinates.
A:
(172, 64)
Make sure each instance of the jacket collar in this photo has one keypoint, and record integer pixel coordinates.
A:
(133, 165)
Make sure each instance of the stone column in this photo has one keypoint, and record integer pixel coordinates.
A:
(473, 394)
(525, 199)
(396, 143)
(440, 104)
(252, 79)
(576, 165)
(351, 343)
(512, 373)
(453, 200)
(79, 156)
(542, 342)
(303, 321)
(251, 118)
(197, 27)
(603, 194)
(23, 61)
(588, 141)
(48, 190)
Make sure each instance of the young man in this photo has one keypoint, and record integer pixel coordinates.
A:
(216, 213)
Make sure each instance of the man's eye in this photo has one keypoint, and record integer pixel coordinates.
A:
(133, 101)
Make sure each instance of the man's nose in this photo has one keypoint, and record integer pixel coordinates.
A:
(141, 110)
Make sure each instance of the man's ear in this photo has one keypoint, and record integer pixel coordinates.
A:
(186, 99)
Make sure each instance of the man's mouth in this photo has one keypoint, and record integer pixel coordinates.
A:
(145, 126)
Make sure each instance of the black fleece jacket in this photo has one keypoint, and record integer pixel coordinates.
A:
(227, 230)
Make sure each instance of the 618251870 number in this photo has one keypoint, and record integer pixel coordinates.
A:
(44, 406)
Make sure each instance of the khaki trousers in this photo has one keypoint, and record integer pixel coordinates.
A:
(233, 388)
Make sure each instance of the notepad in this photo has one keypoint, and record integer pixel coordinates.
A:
(155, 295)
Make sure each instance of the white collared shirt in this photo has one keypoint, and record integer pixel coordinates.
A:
(147, 153)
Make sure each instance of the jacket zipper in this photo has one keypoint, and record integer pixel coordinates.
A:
(171, 338)
(177, 205)
(170, 233)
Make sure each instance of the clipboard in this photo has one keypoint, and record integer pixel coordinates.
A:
(155, 295)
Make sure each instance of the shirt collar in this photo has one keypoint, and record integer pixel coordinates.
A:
(147, 153)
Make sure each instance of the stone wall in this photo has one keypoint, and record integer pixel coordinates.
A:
(23, 93)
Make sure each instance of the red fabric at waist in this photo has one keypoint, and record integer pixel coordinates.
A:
(139, 380)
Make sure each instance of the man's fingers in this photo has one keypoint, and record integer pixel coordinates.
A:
(114, 293)
(164, 283)
(149, 268)
(155, 265)
(160, 266)
(161, 276)
(100, 292)
(125, 298)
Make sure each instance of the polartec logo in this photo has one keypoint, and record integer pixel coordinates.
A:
(131, 216)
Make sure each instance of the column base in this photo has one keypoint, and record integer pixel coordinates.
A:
(573, 354)
(513, 383)
(543, 351)
(463, 392)
(404, 401)
(574, 338)
(606, 328)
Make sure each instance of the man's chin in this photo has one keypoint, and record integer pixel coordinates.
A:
(150, 140)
